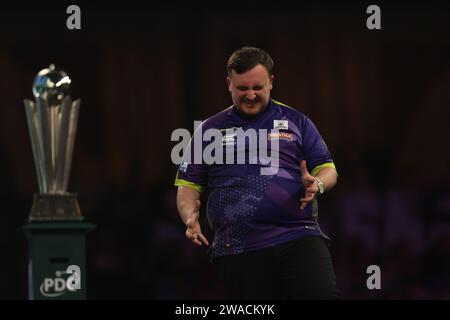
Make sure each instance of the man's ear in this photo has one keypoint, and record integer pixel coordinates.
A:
(272, 77)
(229, 84)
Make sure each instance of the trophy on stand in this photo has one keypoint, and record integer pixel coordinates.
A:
(52, 121)
(56, 231)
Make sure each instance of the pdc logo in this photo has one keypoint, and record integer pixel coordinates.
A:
(55, 287)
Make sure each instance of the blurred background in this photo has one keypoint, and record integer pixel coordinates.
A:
(379, 98)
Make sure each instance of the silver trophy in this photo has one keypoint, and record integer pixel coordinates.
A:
(52, 121)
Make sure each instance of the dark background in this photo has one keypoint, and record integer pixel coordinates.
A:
(379, 98)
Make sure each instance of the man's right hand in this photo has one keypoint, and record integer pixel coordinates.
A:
(194, 231)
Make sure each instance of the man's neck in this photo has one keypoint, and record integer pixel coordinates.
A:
(252, 116)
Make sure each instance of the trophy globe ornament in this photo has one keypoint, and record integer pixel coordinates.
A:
(52, 85)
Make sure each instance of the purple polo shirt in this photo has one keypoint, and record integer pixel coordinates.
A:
(247, 210)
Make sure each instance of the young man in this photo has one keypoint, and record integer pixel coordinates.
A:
(267, 240)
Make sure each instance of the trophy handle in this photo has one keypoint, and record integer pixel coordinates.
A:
(72, 130)
(36, 144)
(61, 143)
(42, 120)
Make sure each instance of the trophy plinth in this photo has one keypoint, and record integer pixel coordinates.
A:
(55, 207)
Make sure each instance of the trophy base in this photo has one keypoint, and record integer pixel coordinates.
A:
(55, 207)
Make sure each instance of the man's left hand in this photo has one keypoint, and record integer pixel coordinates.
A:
(310, 184)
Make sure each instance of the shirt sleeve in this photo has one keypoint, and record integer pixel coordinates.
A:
(192, 171)
(314, 149)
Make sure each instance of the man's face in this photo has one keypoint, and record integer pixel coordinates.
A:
(250, 90)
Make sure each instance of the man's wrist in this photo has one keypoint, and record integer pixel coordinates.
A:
(191, 219)
(320, 185)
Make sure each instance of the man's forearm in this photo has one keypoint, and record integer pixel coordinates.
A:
(186, 203)
(328, 176)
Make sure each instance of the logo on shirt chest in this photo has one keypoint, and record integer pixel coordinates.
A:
(280, 124)
(229, 135)
(286, 136)
(229, 139)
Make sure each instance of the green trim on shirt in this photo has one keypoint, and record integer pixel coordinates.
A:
(325, 165)
(282, 104)
(185, 183)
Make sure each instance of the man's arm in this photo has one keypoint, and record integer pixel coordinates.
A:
(327, 175)
(188, 204)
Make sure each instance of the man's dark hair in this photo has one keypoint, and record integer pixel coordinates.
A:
(246, 58)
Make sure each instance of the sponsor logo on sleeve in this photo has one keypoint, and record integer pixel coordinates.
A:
(183, 166)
